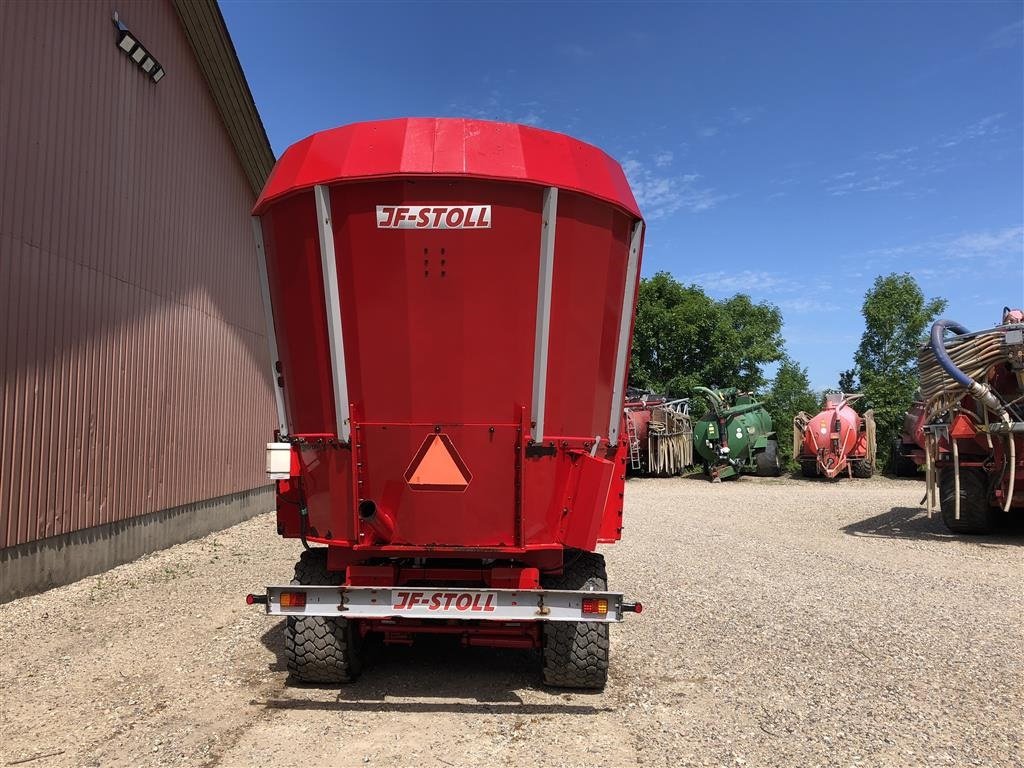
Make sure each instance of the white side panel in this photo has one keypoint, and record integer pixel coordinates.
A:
(622, 350)
(268, 316)
(540, 349)
(332, 303)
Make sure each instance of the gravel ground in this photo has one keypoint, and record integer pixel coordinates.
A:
(789, 622)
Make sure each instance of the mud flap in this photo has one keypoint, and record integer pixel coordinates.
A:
(587, 487)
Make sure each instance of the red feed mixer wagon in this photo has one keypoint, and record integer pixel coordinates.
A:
(836, 441)
(450, 304)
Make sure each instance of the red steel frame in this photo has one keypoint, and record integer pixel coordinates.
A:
(974, 450)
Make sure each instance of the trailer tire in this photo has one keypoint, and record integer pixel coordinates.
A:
(809, 467)
(320, 649)
(976, 514)
(576, 653)
(768, 460)
(862, 468)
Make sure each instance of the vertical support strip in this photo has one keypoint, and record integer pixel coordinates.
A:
(540, 349)
(332, 305)
(625, 323)
(268, 317)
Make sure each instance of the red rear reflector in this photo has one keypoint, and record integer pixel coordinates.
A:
(595, 605)
(293, 599)
(250, 599)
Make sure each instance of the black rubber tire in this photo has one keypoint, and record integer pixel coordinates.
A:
(321, 649)
(976, 514)
(809, 468)
(767, 461)
(862, 468)
(576, 653)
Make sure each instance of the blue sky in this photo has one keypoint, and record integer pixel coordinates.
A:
(789, 151)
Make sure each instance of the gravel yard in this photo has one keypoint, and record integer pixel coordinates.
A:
(788, 622)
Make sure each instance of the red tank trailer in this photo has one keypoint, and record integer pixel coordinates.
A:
(450, 304)
(973, 388)
(835, 441)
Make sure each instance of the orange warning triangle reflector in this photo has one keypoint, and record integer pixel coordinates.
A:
(437, 466)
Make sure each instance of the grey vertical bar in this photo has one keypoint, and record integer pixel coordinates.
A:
(540, 349)
(332, 305)
(622, 351)
(268, 316)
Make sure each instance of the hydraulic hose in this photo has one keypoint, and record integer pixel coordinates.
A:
(938, 346)
(981, 392)
(714, 398)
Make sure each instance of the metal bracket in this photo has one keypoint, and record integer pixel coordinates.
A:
(535, 450)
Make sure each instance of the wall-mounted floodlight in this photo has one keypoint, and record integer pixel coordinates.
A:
(136, 51)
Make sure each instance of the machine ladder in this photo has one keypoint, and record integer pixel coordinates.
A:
(634, 443)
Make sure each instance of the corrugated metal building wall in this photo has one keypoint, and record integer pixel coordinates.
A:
(135, 375)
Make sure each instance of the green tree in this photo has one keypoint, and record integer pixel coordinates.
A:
(789, 394)
(683, 339)
(896, 318)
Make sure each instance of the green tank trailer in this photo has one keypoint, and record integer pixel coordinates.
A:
(735, 436)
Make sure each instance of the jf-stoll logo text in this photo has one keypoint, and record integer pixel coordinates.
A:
(433, 217)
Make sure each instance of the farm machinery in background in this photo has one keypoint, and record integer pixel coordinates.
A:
(735, 436)
(972, 385)
(836, 441)
(659, 433)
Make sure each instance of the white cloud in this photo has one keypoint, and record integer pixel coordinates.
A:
(575, 51)
(1003, 241)
(894, 154)
(494, 107)
(986, 126)
(742, 116)
(745, 281)
(931, 258)
(877, 183)
(807, 306)
(661, 194)
(1009, 36)
(663, 158)
(707, 132)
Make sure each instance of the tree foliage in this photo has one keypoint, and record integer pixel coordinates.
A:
(683, 338)
(789, 394)
(896, 317)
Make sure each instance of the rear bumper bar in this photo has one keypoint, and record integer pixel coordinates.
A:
(445, 603)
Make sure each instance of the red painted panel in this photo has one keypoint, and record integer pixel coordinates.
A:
(292, 246)
(327, 483)
(449, 147)
(482, 515)
(438, 323)
(587, 494)
(591, 252)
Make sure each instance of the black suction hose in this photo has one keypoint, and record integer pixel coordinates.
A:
(938, 346)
